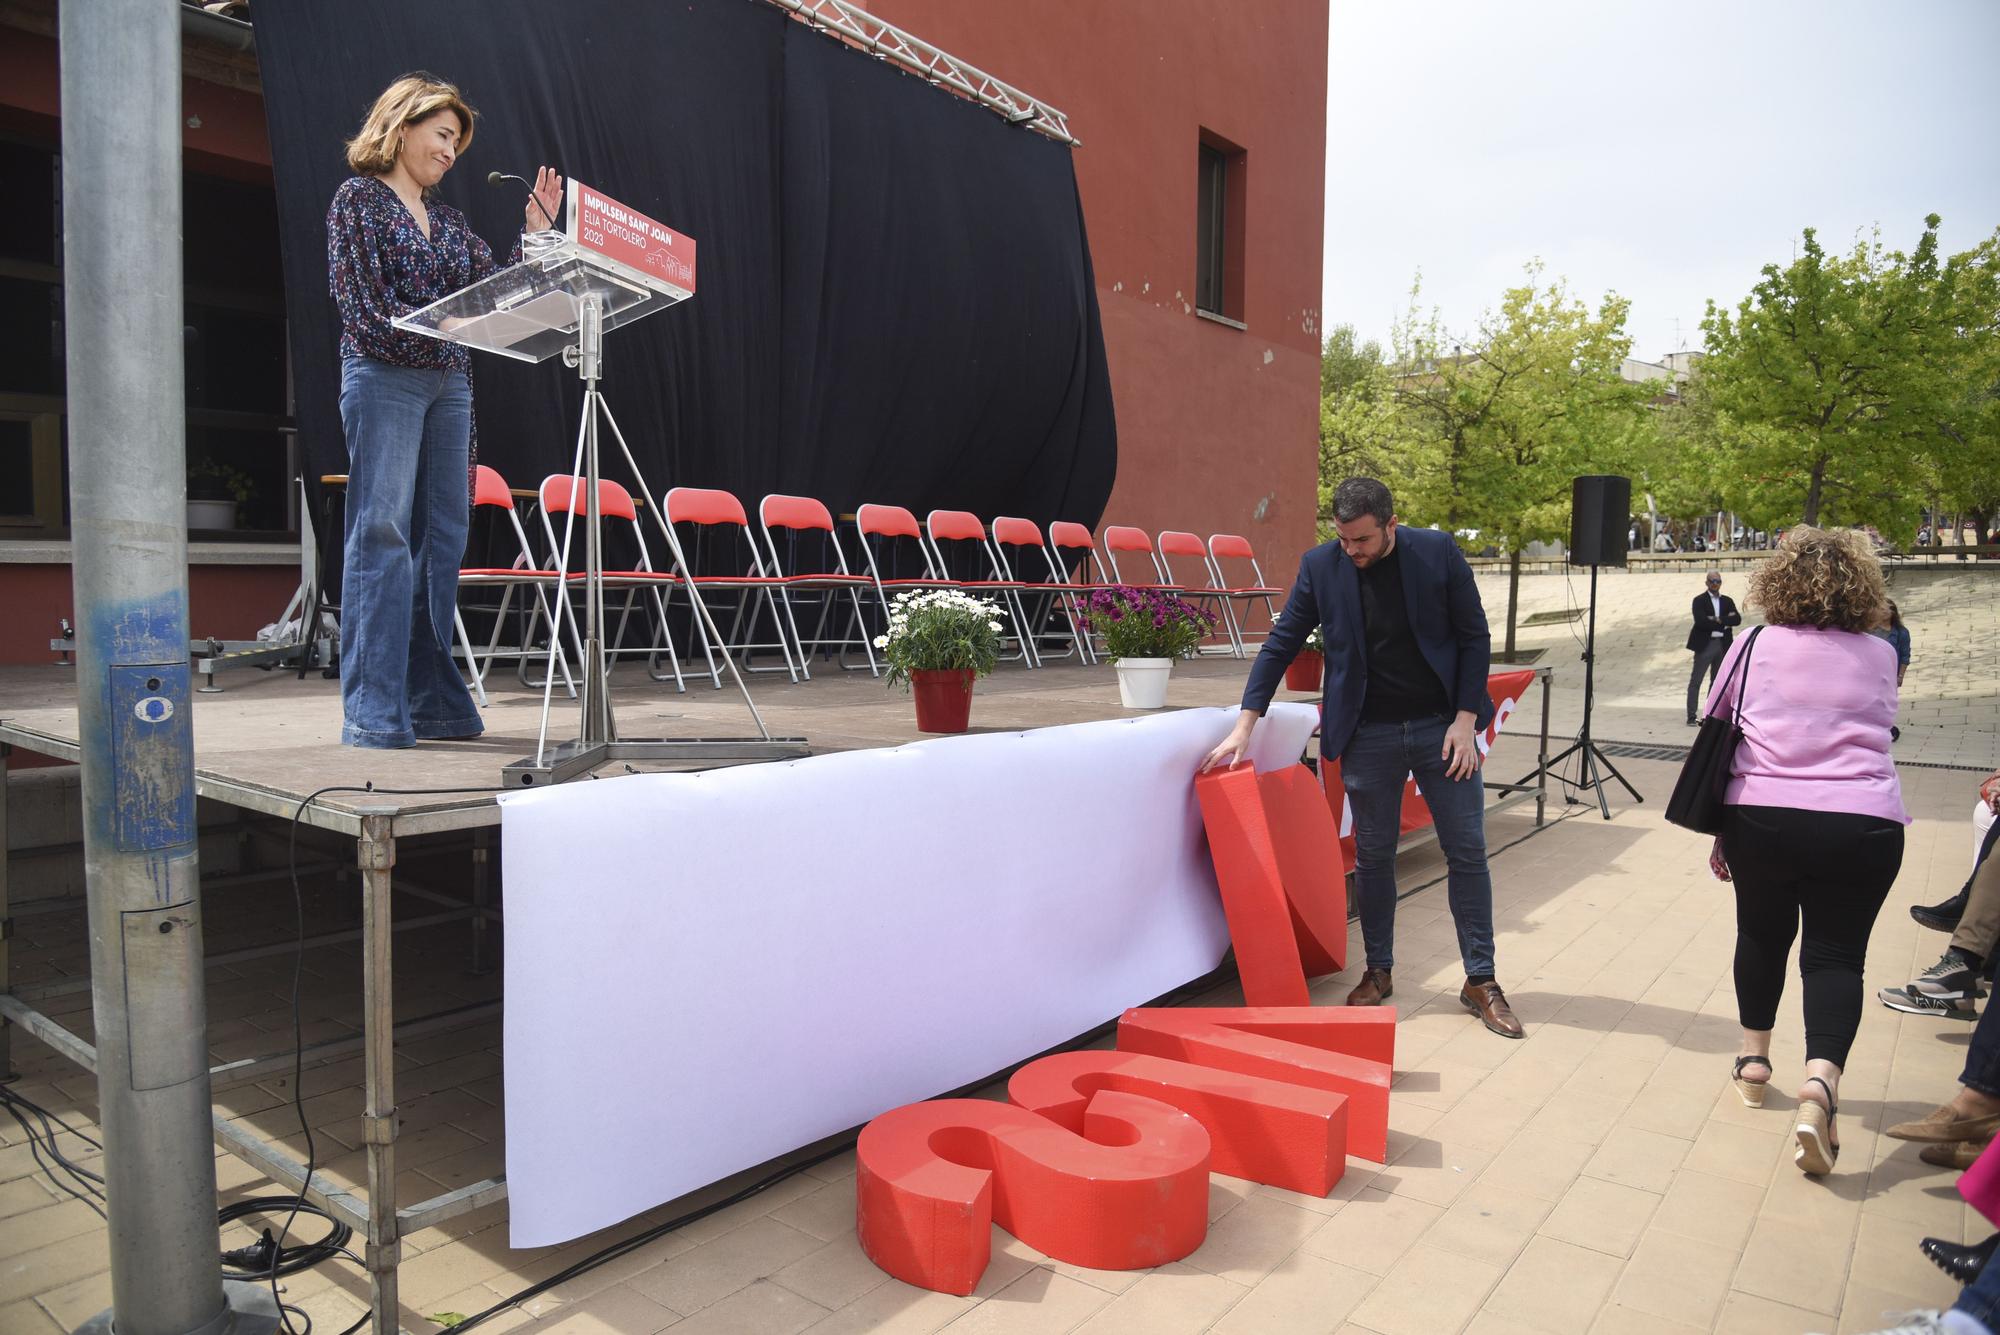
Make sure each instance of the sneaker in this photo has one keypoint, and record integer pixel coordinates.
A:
(1931, 1322)
(1916, 1003)
(1920, 1322)
(1950, 979)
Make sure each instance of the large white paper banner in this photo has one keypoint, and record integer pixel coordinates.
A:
(705, 971)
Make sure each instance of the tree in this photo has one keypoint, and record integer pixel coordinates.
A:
(1965, 461)
(1357, 425)
(1345, 361)
(1493, 429)
(1684, 454)
(1834, 379)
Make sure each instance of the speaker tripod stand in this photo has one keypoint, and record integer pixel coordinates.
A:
(1594, 768)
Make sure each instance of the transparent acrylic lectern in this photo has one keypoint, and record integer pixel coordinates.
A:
(562, 299)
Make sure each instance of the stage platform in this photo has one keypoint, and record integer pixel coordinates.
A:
(267, 738)
(428, 981)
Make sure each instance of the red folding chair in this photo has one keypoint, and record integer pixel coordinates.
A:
(719, 514)
(1067, 538)
(1023, 535)
(1174, 542)
(810, 578)
(568, 495)
(893, 530)
(967, 536)
(1074, 549)
(1234, 547)
(1122, 538)
(491, 493)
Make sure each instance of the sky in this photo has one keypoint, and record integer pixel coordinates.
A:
(1663, 151)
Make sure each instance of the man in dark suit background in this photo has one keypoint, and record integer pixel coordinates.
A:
(1714, 615)
(1407, 651)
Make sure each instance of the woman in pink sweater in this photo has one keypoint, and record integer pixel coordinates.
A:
(1813, 835)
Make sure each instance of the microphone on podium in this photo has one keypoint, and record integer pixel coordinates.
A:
(501, 178)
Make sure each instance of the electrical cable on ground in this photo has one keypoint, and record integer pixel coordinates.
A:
(328, 1247)
(70, 1177)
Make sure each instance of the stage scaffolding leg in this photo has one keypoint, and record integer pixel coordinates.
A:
(377, 859)
(482, 896)
(6, 927)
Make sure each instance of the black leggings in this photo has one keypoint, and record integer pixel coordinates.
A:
(1829, 869)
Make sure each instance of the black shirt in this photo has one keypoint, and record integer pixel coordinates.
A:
(1401, 684)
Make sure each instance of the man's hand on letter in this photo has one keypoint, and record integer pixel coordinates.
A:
(1461, 753)
(1233, 747)
(1989, 791)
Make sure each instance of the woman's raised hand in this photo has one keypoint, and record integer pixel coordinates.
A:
(544, 206)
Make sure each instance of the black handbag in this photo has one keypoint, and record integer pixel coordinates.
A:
(1697, 801)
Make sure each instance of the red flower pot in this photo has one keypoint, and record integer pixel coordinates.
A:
(1306, 672)
(944, 698)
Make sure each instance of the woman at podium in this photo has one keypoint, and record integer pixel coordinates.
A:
(406, 409)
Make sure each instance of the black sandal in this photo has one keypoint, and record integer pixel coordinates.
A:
(1814, 1131)
(1750, 1091)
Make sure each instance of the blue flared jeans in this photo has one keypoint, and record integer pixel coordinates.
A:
(408, 441)
(1379, 758)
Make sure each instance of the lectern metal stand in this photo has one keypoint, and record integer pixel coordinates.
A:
(562, 298)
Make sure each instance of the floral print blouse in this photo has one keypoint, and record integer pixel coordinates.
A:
(380, 265)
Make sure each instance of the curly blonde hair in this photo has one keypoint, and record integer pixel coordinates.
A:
(1827, 579)
(414, 97)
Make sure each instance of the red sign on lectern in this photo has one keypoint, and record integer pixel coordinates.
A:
(625, 236)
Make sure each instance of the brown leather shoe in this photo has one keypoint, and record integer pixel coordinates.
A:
(1490, 1004)
(1942, 1126)
(1373, 989)
(1959, 1154)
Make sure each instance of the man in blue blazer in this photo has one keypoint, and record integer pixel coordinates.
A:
(1405, 693)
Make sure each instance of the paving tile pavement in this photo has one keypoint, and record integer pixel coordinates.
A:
(1598, 1176)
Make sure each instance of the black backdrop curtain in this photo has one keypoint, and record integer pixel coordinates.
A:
(895, 297)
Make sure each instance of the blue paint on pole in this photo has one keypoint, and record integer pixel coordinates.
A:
(146, 745)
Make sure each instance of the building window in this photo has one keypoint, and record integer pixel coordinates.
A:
(1219, 228)
(238, 419)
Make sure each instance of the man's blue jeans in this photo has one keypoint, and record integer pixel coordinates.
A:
(408, 441)
(1377, 761)
(1981, 1298)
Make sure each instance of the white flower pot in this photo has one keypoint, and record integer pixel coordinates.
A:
(1142, 682)
(211, 514)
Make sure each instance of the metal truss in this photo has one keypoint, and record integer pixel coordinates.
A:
(942, 68)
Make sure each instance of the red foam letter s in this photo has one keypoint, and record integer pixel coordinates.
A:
(1263, 1130)
(1127, 1189)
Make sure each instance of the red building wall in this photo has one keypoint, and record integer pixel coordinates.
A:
(1218, 428)
(222, 133)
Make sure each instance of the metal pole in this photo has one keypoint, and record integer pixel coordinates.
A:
(6, 925)
(376, 856)
(597, 722)
(1542, 767)
(121, 164)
